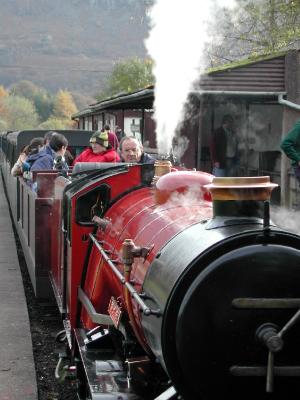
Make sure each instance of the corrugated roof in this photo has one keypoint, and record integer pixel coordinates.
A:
(246, 61)
(82, 113)
(140, 99)
(265, 75)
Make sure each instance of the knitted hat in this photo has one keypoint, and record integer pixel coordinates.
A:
(101, 138)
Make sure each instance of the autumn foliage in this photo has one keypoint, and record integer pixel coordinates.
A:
(27, 106)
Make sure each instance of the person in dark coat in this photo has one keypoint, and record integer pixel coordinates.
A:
(291, 147)
(45, 159)
(119, 133)
(131, 151)
(224, 148)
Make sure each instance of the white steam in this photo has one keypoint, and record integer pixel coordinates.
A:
(179, 147)
(286, 219)
(179, 31)
(191, 199)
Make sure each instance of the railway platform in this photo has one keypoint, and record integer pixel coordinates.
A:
(17, 370)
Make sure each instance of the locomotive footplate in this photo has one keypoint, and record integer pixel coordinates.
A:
(105, 374)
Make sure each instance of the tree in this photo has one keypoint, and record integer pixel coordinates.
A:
(128, 76)
(24, 88)
(19, 113)
(82, 101)
(3, 92)
(254, 27)
(43, 102)
(3, 125)
(54, 123)
(64, 106)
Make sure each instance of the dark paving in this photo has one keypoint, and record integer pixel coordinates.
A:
(17, 372)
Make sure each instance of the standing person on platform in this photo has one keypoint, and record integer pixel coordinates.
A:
(131, 150)
(119, 133)
(99, 151)
(112, 137)
(291, 147)
(224, 148)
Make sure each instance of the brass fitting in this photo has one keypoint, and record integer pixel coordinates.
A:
(130, 251)
(102, 223)
(161, 167)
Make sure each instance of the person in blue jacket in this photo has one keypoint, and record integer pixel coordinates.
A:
(51, 155)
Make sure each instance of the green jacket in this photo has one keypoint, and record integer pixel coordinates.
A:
(291, 144)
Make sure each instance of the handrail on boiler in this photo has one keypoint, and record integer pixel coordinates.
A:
(136, 296)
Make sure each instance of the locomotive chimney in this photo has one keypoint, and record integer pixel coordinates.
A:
(241, 197)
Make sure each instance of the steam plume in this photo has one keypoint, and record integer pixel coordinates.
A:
(176, 42)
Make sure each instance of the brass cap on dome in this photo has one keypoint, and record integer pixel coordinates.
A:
(241, 188)
(162, 167)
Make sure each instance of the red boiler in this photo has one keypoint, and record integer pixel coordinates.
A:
(131, 235)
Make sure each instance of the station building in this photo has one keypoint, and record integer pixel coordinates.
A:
(263, 95)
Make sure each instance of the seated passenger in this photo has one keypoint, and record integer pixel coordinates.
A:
(44, 160)
(34, 147)
(69, 157)
(47, 137)
(131, 150)
(100, 150)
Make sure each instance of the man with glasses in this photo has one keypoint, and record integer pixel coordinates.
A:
(131, 151)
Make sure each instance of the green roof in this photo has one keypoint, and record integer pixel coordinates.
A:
(246, 61)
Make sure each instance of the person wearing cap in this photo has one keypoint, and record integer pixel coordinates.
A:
(99, 151)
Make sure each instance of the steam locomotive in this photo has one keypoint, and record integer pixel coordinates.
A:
(171, 284)
(167, 293)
